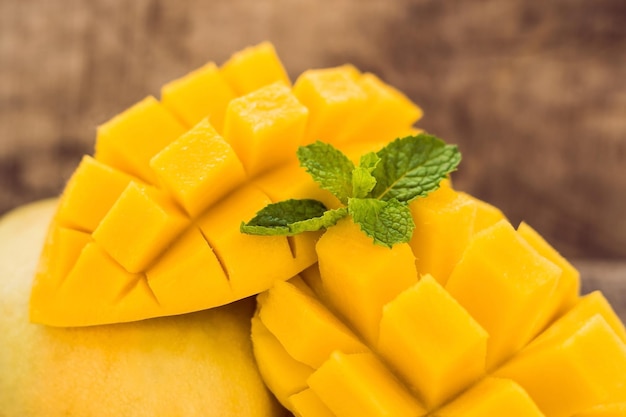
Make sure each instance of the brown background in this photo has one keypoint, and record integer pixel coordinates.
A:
(534, 92)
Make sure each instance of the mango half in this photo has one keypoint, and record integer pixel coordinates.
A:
(149, 225)
(473, 317)
(199, 364)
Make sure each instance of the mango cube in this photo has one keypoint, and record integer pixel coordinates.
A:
(183, 287)
(198, 168)
(62, 249)
(351, 268)
(306, 329)
(139, 226)
(333, 96)
(203, 93)
(265, 127)
(94, 285)
(492, 397)
(129, 140)
(486, 214)
(360, 385)
(444, 223)
(432, 342)
(387, 114)
(254, 67)
(586, 308)
(584, 370)
(282, 374)
(91, 191)
(568, 287)
(506, 286)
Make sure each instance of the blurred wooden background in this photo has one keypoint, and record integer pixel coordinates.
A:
(533, 92)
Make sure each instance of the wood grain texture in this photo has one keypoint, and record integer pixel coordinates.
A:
(533, 92)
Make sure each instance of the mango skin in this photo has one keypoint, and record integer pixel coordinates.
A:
(199, 364)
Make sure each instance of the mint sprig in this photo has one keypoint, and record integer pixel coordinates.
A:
(376, 193)
(413, 167)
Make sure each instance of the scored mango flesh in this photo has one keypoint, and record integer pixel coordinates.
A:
(149, 225)
(471, 318)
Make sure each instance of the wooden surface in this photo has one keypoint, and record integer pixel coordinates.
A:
(533, 92)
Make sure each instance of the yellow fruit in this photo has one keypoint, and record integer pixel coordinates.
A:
(199, 364)
(149, 226)
(501, 331)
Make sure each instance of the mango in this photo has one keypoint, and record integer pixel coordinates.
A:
(265, 127)
(432, 342)
(506, 333)
(202, 94)
(132, 138)
(198, 169)
(182, 173)
(254, 67)
(198, 364)
(505, 285)
(360, 384)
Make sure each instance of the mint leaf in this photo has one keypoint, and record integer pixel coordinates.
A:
(362, 182)
(291, 217)
(362, 179)
(330, 168)
(369, 161)
(376, 192)
(387, 222)
(412, 167)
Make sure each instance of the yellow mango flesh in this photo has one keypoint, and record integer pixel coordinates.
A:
(283, 375)
(569, 283)
(505, 285)
(432, 342)
(198, 168)
(445, 223)
(359, 384)
(181, 174)
(90, 194)
(183, 287)
(492, 397)
(203, 93)
(131, 139)
(586, 369)
(265, 127)
(354, 287)
(192, 365)
(307, 404)
(139, 226)
(307, 330)
(498, 339)
(605, 410)
(254, 67)
(334, 96)
(385, 107)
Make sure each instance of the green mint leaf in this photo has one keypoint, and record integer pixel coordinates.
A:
(387, 222)
(291, 217)
(362, 182)
(362, 179)
(412, 167)
(330, 168)
(369, 161)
